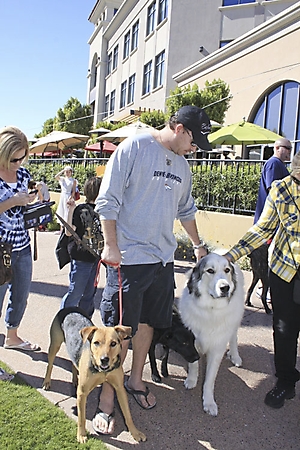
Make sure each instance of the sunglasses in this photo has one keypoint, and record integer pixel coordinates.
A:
(15, 160)
(193, 144)
(285, 146)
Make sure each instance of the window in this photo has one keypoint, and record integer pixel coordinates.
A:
(135, 36)
(159, 69)
(115, 59)
(94, 77)
(123, 94)
(106, 105)
(162, 10)
(112, 102)
(109, 63)
(223, 43)
(151, 18)
(236, 2)
(131, 88)
(147, 78)
(279, 111)
(126, 45)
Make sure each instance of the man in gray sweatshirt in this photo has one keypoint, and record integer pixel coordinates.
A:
(146, 186)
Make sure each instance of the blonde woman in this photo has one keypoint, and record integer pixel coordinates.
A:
(14, 196)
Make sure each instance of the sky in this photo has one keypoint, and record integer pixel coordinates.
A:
(44, 58)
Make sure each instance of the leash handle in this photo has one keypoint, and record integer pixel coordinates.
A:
(97, 279)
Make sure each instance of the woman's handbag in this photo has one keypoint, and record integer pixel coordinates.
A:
(37, 214)
(77, 194)
(5, 262)
(61, 250)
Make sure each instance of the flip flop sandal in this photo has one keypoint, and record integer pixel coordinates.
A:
(107, 417)
(26, 346)
(4, 376)
(136, 395)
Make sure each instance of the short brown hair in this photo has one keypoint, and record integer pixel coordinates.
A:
(91, 188)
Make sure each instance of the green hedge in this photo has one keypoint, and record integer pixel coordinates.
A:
(216, 186)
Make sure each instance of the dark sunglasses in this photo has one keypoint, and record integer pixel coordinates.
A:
(287, 147)
(193, 144)
(15, 160)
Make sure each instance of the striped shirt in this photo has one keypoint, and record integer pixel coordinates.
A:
(12, 229)
(280, 216)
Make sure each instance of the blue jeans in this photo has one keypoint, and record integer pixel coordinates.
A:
(81, 291)
(18, 288)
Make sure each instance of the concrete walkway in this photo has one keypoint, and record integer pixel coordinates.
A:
(178, 421)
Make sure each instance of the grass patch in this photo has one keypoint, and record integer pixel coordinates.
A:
(30, 422)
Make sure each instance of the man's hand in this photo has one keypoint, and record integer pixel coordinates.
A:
(200, 252)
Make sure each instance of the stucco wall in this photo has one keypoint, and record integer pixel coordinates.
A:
(219, 229)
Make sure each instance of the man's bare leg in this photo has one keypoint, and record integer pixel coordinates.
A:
(140, 344)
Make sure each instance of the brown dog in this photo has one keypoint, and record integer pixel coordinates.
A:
(96, 357)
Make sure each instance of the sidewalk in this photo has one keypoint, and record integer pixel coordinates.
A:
(178, 421)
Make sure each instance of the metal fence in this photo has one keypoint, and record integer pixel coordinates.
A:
(229, 186)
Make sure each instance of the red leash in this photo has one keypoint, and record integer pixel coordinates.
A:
(97, 279)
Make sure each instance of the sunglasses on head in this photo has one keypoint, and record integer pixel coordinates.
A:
(15, 160)
(286, 146)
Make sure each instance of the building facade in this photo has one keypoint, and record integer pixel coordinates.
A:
(141, 49)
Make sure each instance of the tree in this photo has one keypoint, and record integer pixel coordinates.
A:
(215, 98)
(73, 117)
(155, 119)
(47, 128)
(65, 119)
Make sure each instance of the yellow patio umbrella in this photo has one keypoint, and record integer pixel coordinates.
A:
(246, 133)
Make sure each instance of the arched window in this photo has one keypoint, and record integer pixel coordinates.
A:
(279, 111)
(94, 71)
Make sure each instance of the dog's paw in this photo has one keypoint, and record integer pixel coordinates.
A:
(81, 439)
(138, 435)
(235, 359)
(46, 385)
(156, 378)
(190, 383)
(210, 408)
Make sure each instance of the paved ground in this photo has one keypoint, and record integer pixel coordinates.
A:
(178, 421)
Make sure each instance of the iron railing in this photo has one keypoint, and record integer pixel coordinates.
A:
(229, 186)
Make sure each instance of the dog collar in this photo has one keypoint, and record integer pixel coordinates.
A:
(97, 369)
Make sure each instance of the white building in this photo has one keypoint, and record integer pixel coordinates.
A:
(141, 49)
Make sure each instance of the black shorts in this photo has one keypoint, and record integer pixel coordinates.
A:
(147, 296)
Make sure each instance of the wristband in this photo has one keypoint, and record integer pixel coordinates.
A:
(195, 247)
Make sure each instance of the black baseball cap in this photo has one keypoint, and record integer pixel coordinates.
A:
(196, 120)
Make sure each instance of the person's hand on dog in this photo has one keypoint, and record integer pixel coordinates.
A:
(228, 257)
(200, 252)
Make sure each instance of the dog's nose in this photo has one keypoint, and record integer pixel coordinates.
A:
(104, 360)
(224, 289)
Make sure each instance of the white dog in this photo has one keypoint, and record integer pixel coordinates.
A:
(212, 307)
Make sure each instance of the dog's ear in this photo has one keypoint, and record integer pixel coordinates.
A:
(196, 275)
(87, 333)
(123, 332)
(234, 275)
